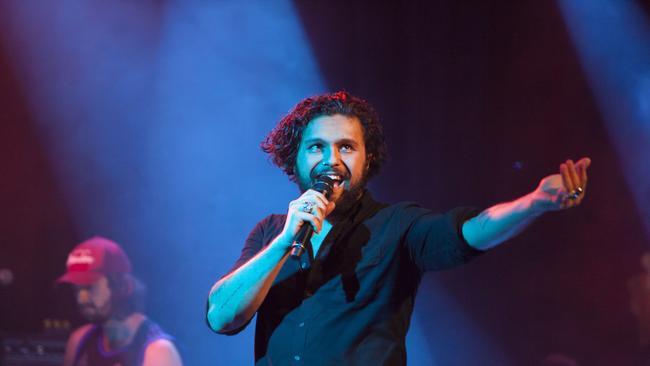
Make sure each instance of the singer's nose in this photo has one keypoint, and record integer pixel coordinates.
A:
(332, 157)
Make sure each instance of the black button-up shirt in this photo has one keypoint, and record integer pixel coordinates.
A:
(352, 304)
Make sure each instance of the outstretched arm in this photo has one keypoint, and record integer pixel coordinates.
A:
(505, 220)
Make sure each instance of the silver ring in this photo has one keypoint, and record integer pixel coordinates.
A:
(573, 195)
(307, 207)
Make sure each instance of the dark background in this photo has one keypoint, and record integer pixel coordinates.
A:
(479, 101)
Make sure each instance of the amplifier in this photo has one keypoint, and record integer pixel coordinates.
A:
(32, 350)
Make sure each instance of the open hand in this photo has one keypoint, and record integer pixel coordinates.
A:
(564, 190)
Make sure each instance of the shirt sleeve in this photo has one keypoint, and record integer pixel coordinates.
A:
(435, 241)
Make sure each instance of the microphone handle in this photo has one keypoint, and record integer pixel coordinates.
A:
(302, 240)
(323, 185)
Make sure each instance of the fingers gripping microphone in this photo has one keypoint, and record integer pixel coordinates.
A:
(324, 185)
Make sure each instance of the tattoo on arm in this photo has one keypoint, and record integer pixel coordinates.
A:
(232, 294)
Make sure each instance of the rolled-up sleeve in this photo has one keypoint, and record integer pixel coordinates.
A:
(435, 241)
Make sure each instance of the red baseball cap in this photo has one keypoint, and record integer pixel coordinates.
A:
(94, 258)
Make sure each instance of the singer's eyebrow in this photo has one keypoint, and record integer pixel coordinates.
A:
(346, 141)
(312, 140)
(342, 141)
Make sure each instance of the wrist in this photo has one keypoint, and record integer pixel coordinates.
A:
(282, 242)
(537, 203)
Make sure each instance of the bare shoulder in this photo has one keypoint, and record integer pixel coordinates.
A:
(73, 343)
(162, 352)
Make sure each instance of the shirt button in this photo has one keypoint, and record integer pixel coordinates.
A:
(302, 324)
(296, 357)
(304, 265)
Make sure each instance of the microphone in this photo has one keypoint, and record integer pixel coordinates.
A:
(324, 185)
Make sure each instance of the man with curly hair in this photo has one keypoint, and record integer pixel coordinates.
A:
(349, 299)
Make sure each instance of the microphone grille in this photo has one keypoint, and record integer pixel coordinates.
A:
(324, 185)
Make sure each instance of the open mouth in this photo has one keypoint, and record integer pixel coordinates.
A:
(337, 179)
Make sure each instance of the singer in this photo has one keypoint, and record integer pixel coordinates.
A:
(348, 299)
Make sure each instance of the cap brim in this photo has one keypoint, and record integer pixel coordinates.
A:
(79, 278)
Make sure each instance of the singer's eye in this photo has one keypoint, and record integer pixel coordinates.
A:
(314, 147)
(347, 147)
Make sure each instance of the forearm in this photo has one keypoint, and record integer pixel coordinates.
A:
(234, 299)
(500, 222)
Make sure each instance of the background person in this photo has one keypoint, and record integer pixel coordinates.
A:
(112, 300)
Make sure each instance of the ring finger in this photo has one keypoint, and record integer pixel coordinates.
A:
(314, 207)
(566, 178)
(573, 175)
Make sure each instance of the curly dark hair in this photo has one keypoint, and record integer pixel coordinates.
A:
(283, 141)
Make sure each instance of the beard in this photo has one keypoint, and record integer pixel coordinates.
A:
(347, 198)
(93, 314)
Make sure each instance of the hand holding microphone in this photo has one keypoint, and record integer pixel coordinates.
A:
(307, 213)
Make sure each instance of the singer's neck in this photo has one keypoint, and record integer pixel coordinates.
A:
(345, 207)
(317, 239)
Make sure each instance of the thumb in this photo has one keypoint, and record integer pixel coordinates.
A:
(330, 208)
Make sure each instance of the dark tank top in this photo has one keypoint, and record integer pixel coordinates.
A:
(91, 352)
